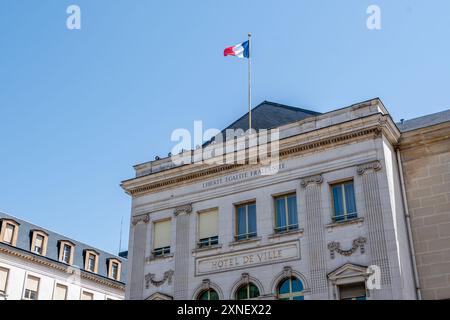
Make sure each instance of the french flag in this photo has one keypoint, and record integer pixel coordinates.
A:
(240, 50)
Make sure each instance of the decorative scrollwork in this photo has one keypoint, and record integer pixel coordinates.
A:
(317, 179)
(144, 218)
(375, 166)
(187, 208)
(357, 243)
(150, 279)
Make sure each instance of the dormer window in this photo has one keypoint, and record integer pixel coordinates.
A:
(91, 261)
(39, 242)
(114, 269)
(9, 231)
(66, 249)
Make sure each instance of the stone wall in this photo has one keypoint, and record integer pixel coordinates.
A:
(426, 164)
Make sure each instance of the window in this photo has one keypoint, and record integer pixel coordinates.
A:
(161, 239)
(8, 232)
(3, 279)
(209, 294)
(354, 291)
(31, 288)
(87, 295)
(60, 292)
(344, 201)
(91, 261)
(39, 242)
(208, 228)
(286, 213)
(114, 269)
(246, 221)
(290, 289)
(66, 250)
(247, 291)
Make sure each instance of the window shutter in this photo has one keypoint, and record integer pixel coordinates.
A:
(208, 225)
(162, 234)
(39, 241)
(60, 292)
(3, 277)
(9, 230)
(352, 291)
(87, 296)
(32, 283)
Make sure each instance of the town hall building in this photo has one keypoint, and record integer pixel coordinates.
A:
(335, 221)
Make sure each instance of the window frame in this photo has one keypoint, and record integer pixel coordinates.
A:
(88, 293)
(211, 241)
(288, 228)
(62, 243)
(163, 251)
(292, 294)
(119, 268)
(3, 292)
(207, 291)
(87, 255)
(25, 287)
(346, 214)
(60, 285)
(247, 287)
(248, 235)
(15, 225)
(35, 234)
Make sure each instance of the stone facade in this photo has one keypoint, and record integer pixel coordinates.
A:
(358, 143)
(426, 166)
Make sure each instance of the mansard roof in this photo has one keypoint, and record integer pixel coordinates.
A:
(52, 255)
(425, 121)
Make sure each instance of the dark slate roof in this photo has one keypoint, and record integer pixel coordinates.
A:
(425, 121)
(269, 115)
(24, 244)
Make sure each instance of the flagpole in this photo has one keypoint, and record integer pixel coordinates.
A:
(250, 82)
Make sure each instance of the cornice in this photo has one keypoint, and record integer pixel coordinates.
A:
(61, 267)
(356, 130)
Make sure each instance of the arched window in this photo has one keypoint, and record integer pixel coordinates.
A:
(247, 291)
(209, 294)
(290, 289)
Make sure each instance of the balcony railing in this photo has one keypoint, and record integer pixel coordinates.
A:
(208, 242)
(287, 228)
(245, 236)
(345, 217)
(161, 252)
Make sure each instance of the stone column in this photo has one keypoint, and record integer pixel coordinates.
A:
(137, 257)
(315, 232)
(182, 252)
(374, 219)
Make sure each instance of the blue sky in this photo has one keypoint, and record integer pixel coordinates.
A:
(78, 108)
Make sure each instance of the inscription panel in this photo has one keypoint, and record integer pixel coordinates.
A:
(248, 258)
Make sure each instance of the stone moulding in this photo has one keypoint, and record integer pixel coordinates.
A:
(336, 247)
(150, 279)
(217, 170)
(316, 179)
(374, 165)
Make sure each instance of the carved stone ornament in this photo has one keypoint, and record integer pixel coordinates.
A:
(144, 218)
(336, 246)
(317, 179)
(150, 279)
(187, 208)
(375, 166)
(206, 284)
(287, 272)
(245, 278)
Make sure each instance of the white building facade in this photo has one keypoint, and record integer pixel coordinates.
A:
(330, 224)
(37, 264)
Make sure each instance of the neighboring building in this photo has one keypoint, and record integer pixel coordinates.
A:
(330, 224)
(38, 264)
(425, 150)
